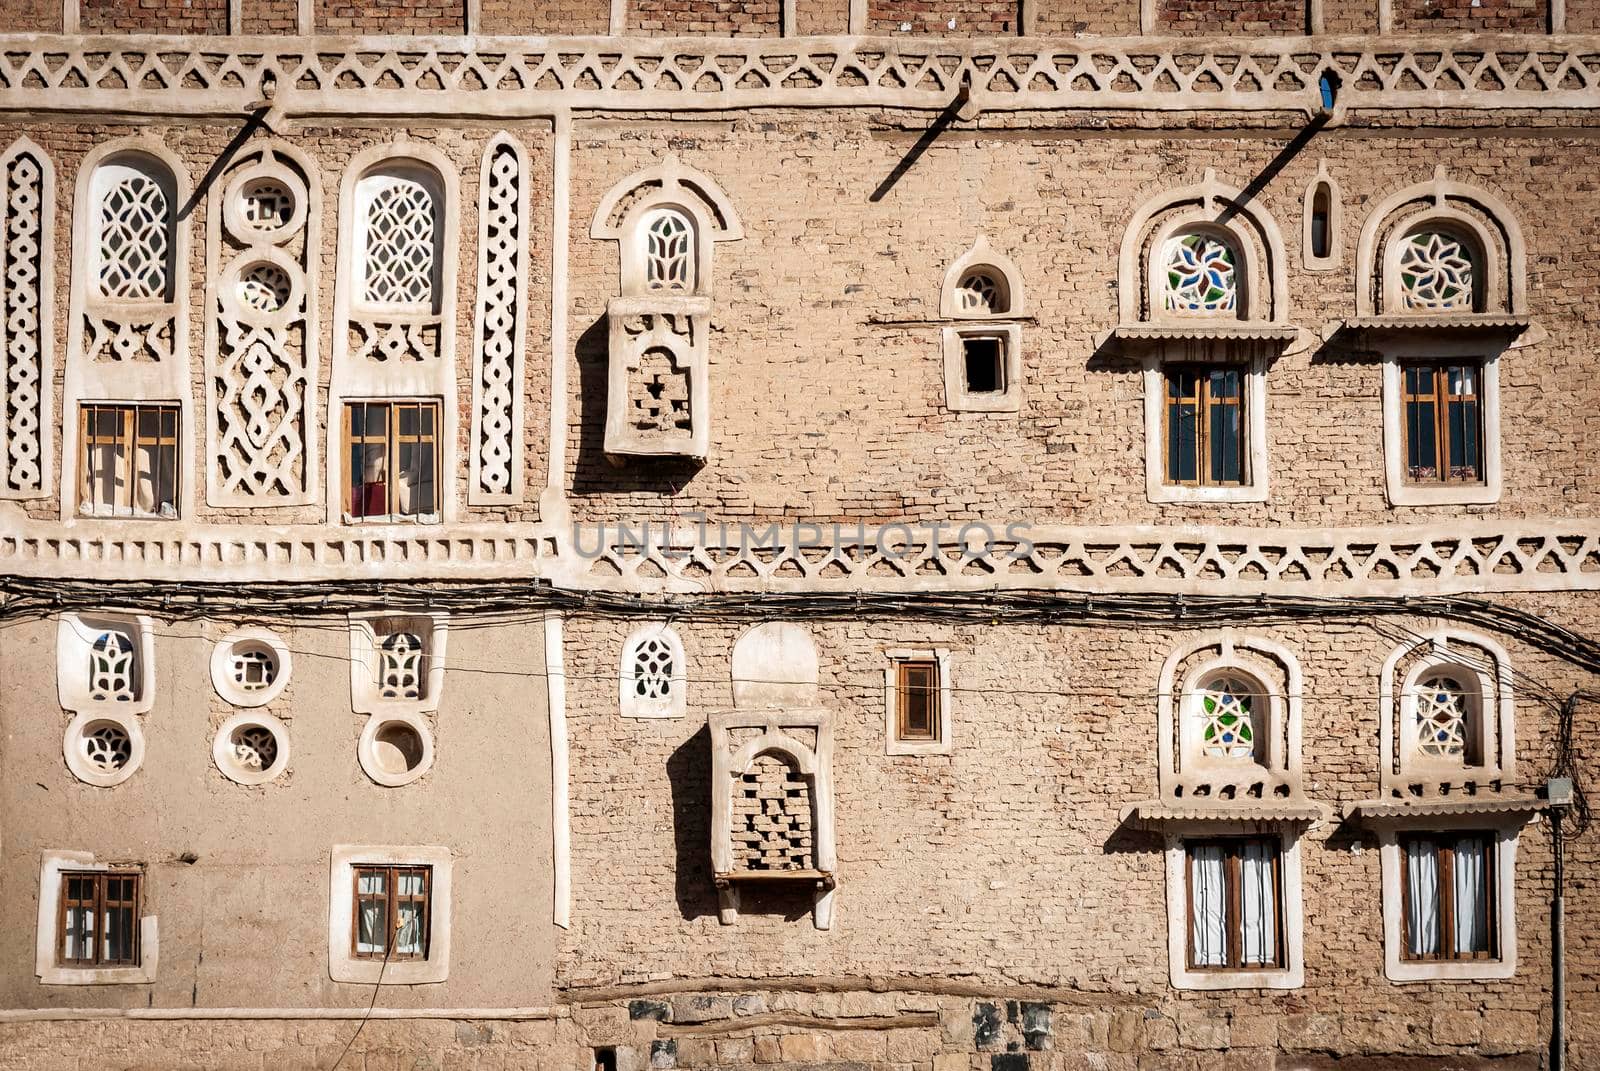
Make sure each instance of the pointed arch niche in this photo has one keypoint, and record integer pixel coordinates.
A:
(666, 221)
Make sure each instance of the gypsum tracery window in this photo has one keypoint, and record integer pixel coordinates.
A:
(401, 669)
(1226, 711)
(398, 240)
(1202, 274)
(669, 241)
(133, 237)
(1437, 272)
(128, 458)
(652, 669)
(982, 293)
(1447, 720)
(106, 748)
(113, 670)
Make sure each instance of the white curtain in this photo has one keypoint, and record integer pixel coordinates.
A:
(409, 940)
(1207, 870)
(1258, 903)
(1471, 896)
(1422, 898)
(373, 906)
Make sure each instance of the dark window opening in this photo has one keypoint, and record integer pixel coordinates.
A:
(1321, 212)
(983, 361)
(1444, 423)
(97, 923)
(1205, 425)
(605, 1058)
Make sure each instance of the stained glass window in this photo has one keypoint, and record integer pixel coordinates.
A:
(1227, 723)
(1436, 272)
(1202, 274)
(1443, 719)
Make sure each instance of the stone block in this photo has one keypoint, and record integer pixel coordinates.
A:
(1457, 1027)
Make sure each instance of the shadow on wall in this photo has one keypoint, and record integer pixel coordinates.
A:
(689, 774)
(596, 474)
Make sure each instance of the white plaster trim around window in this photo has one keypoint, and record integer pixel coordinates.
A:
(75, 638)
(166, 380)
(957, 398)
(1291, 976)
(16, 479)
(1335, 232)
(1157, 489)
(553, 501)
(1397, 969)
(45, 967)
(372, 764)
(1498, 710)
(243, 639)
(1399, 490)
(675, 703)
(560, 820)
(432, 629)
(225, 754)
(893, 745)
(342, 965)
(74, 748)
(982, 255)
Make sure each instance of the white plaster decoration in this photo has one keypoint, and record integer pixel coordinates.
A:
(105, 663)
(128, 333)
(103, 750)
(251, 748)
(943, 744)
(46, 966)
(395, 749)
(555, 669)
(1255, 358)
(250, 667)
(1291, 914)
(395, 297)
(261, 346)
(27, 320)
(343, 965)
(963, 294)
(653, 674)
(774, 666)
(985, 287)
(553, 500)
(397, 662)
(500, 329)
(1414, 697)
(515, 77)
(1229, 727)
(1200, 274)
(1467, 218)
(666, 220)
(1322, 197)
(1480, 349)
(959, 397)
(1504, 834)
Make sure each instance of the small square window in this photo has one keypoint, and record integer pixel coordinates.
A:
(392, 456)
(98, 920)
(1447, 888)
(983, 362)
(917, 687)
(391, 916)
(1235, 895)
(128, 461)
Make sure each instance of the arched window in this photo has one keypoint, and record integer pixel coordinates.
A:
(669, 242)
(983, 292)
(400, 673)
(1438, 271)
(983, 360)
(1447, 716)
(397, 238)
(1203, 273)
(132, 242)
(653, 674)
(1226, 717)
(113, 669)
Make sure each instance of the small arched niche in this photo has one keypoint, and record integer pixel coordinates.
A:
(1322, 222)
(983, 292)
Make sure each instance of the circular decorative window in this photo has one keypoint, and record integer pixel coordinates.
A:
(265, 287)
(103, 750)
(250, 667)
(395, 749)
(251, 749)
(267, 203)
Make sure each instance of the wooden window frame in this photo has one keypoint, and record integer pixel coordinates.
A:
(127, 441)
(1441, 399)
(1234, 917)
(391, 440)
(1445, 848)
(99, 903)
(393, 899)
(903, 692)
(1203, 403)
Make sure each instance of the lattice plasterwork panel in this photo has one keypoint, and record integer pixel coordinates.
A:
(1462, 557)
(501, 326)
(27, 282)
(521, 76)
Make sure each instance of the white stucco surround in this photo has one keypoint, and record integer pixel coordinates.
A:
(76, 635)
(891, 700)
(1396, 968)
(243, 639)
(1400, 765)
(45, 964)
(1335, 200)
(224, 753)
(365, 664)
(1291, 910)
(342, 965)
(675, 703)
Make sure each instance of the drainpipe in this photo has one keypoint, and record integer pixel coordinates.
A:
(1558, 797)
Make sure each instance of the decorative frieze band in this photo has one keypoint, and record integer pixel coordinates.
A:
(506, 77)
(1397, 560)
